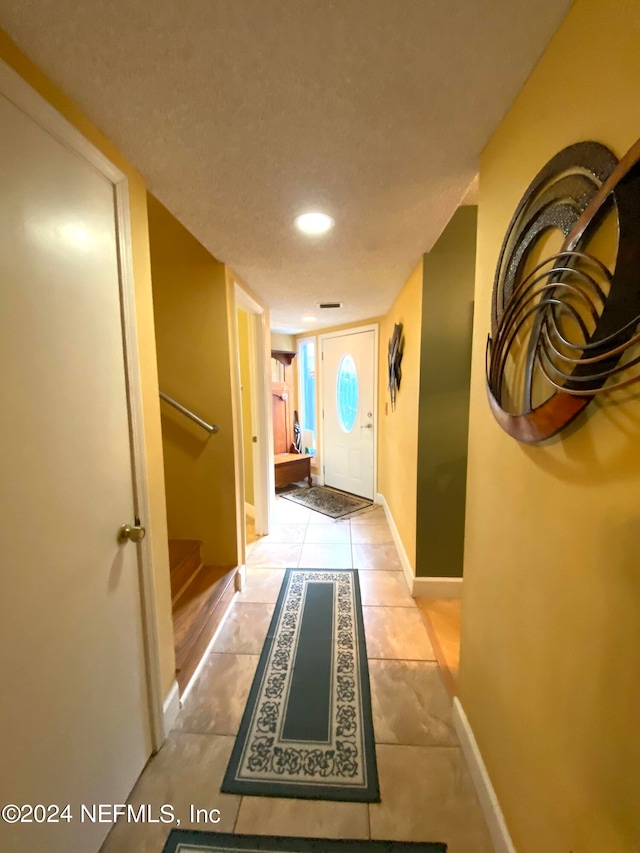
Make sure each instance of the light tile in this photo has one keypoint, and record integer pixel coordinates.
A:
(321, 518)
(396, 633)
(312, 818)
(325, 557)
(245, 629)
(328, 534)
(385, 588)
(187, 770)
(262, 585)
(285, 533)
(382, 557)
(371, 534)
(371, 516)
(276, 556)
(216, 701)
(444, 615)
(434, 801)
(289, 512)
(410, 704)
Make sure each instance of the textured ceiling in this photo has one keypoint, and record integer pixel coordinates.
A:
(243, 113)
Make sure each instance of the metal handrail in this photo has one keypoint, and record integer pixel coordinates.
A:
(209, 427)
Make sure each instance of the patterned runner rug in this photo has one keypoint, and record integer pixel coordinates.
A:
(186, 841)
(329, 501)
(307, 730)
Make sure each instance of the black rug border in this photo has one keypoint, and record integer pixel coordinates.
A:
(288, 844)
(370, 794)
(288, 496)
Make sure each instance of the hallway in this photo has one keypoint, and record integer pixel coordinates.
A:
(427, 793)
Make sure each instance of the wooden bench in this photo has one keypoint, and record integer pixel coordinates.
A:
(291, 468)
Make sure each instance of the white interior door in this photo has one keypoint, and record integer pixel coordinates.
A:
(348, 410)
(74, 717)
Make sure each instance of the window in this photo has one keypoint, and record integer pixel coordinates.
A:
(307, 393)
(347, 393)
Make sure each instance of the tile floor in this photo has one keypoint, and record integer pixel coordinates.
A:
(443, 620)
(426, 789)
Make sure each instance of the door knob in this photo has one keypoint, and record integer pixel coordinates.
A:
(131, 533)
(367, 426)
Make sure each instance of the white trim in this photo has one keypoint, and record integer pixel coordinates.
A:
(149, 609)
(341, 333)
(249, 510)
(40, 110)
(29, 101)
(486, 794)
(438, 587)
(260, 380)
(407, 568)
(260, 458)
(241, 577)
(300, 342)
(370, 327)
(245, 301)
(171, 707)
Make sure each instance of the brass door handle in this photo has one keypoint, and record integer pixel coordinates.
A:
(131, 533)
(367, 426)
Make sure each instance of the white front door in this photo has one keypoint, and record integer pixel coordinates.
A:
(348, 410)
(74, 712)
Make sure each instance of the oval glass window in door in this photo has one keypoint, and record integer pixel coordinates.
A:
(347, 393)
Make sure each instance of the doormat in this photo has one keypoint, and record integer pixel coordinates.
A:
(327, 501)
(307, 730)
(193, 841)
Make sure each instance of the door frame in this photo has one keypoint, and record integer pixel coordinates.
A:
(343, 333)
(27, 99)
(262, 450)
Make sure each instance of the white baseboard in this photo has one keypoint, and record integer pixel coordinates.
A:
(249, 510)
(488, 800)
(171, 708)
(240, 578)
(407, 568)
(438, 587)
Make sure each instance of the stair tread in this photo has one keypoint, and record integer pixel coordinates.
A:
(180, 550)
(197, 600)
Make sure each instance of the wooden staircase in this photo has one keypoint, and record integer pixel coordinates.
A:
(200, 597)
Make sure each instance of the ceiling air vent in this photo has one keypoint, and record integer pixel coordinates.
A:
(330, 305)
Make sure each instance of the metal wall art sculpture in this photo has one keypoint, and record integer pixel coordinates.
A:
(560, 331)
(396, 349)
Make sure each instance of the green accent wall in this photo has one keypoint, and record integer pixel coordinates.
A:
(445, 370)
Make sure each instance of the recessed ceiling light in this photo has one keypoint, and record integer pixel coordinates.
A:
(309, 319)
(314, 223)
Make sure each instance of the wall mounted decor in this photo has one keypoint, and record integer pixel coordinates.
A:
(396, 349)
(561, 330)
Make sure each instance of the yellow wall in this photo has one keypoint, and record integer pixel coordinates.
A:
(157, 522)
(551, 640)
(245, 393)
(283, 342)
(194, 365)
(398, 429)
